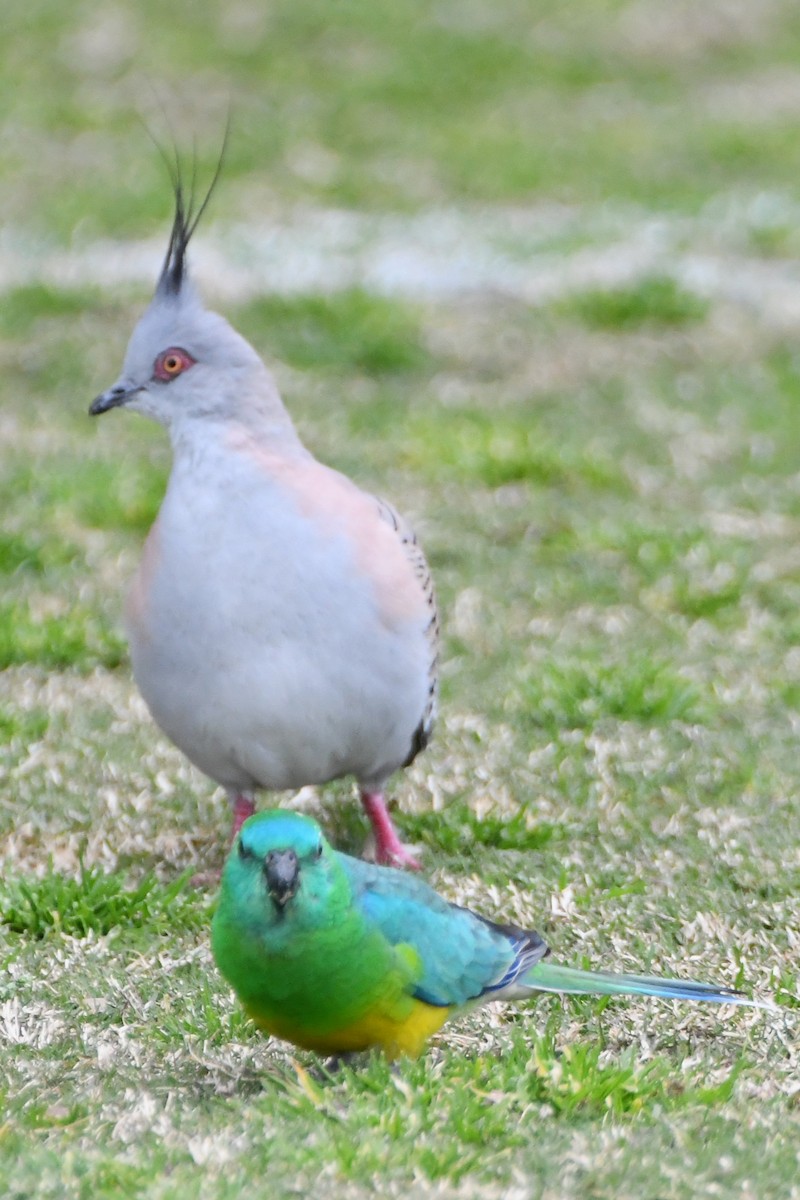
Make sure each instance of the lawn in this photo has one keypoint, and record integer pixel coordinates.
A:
(529, 270)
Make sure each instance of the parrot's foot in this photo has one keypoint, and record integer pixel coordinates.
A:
(243, 806)
(389, 850)
(348, 1058)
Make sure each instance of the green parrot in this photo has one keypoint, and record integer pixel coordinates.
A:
(337, 955)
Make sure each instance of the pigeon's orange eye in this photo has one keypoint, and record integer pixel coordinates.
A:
(170, 363)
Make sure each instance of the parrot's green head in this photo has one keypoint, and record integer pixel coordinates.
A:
(282, 871)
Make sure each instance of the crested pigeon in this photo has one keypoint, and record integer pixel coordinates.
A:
(282, 623)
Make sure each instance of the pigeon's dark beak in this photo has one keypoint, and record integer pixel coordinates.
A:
(283, 875)
(116, 396)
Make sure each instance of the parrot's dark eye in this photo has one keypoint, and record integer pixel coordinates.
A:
(318, 851)
(170, 363)
(244, 851)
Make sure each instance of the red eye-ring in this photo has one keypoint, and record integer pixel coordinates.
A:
(171, 363)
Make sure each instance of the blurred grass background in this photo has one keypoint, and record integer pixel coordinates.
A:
(529, 270)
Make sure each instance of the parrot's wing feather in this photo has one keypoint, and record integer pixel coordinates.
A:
(462, 956)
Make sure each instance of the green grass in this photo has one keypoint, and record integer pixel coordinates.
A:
(392, 107)
(460, 831)
(580, 694)
(102, 495)
(351, 331)
(21, 734)
(106, 497)
(19, 553)
(26, 309)
(605, 479)
(94, 902)
(492, 449)
(78, 639)
(653, 300)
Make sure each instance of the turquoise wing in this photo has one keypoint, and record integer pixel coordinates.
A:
(464, 956)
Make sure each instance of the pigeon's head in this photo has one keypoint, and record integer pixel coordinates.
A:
(183, 361)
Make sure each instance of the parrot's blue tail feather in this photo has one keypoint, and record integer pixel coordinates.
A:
(550, 977)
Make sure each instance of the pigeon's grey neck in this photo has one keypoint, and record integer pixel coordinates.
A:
(254, 412)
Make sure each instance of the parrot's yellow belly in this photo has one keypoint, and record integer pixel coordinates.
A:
(407, 1035)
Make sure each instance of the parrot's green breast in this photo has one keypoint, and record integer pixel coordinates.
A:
(335, 988)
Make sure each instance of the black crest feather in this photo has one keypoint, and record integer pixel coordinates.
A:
(188, 211)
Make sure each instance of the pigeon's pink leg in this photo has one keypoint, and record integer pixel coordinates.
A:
(389, 850)
(243, 807)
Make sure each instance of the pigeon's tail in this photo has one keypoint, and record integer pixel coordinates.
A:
(550, 977)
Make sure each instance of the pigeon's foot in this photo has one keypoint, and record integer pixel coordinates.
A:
(389, 850)
(243, 806)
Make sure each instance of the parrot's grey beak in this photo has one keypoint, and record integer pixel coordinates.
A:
(283, 875)
(116, 396)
